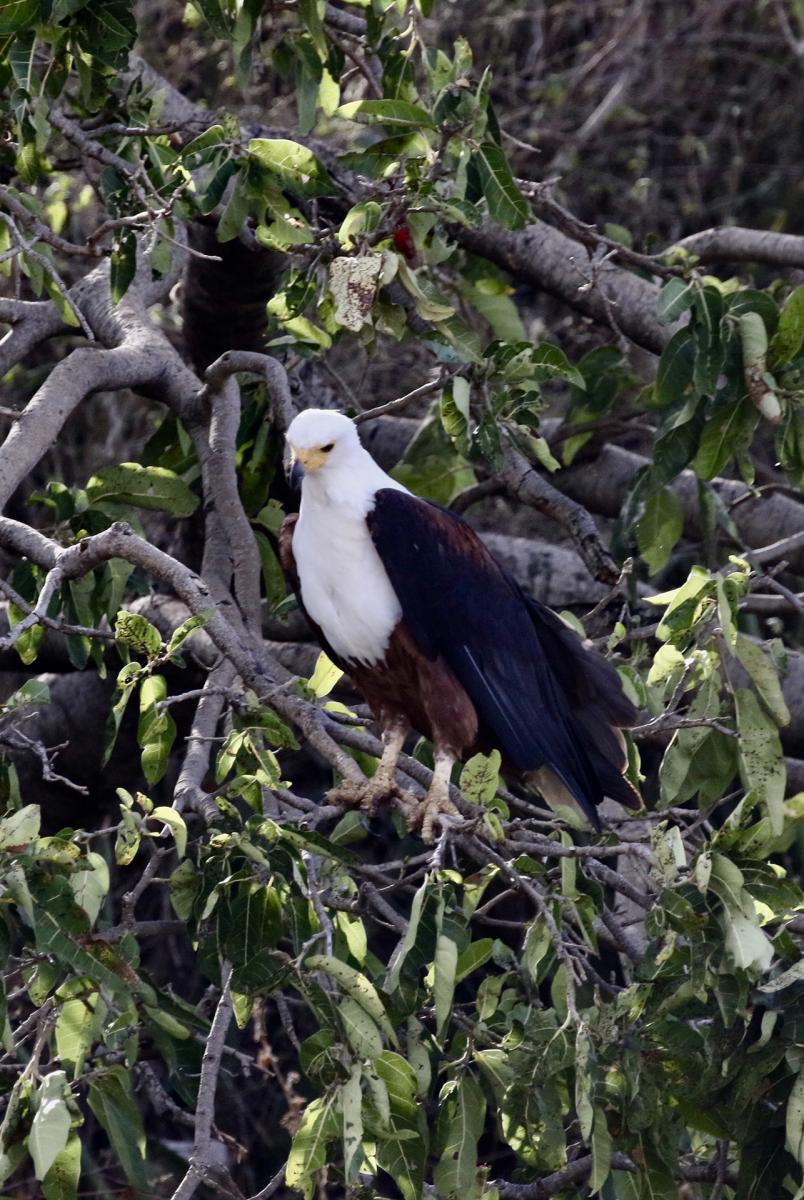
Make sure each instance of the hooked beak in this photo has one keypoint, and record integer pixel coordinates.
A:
(294, 472)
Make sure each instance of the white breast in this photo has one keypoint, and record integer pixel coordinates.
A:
(344, 585)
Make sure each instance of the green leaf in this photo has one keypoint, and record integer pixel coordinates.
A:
(216, 16)
(183, 631)
(659, 528)
(90, 886)
(112, 1101)
(675, 298)
(124, 264)
(462, 1121)
(480, 777)
(293, 165)
(601, 1152)
(583, 1083)
(141, 636)
(312, 12)
(142, 487)
(698, 581)
(156, 730)
(352, 1106)
(50, 1127)
(498, 308)
(455, 411)
(408, 940)
(708, 314)
(308, 1152)
(794, 1120)
(361, 218)
(76, 1028)
(746, 945)
(20, 828)
(674, 374)
(355, 984)
(761, 760)
(28, 643)
(61, 930)
(184, 887)
(550, 362)
(761, 386)
(403, 1151)
(128, 839)
(726, 434)
(506, 203)
(361, 1031)
(249, 927)
(397, 113)
(476, 954)
(17, 15)
(725, 612)
(444, 969)
(536, 945)
(764, 676)
(175, 822)
(61, 1181)
(235, 212)
(210, 137)
(786, 341)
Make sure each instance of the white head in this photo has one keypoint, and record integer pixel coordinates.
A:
(320, 439)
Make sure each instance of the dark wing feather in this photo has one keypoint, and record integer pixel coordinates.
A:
(543, 698)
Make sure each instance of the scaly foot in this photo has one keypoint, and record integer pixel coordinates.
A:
(368, 794)
(430, 812)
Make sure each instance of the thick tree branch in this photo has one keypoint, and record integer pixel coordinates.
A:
(555, 263)
(600, 483)
(733, 243)
(525, 485)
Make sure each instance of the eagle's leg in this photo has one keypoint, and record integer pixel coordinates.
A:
(382, 785)
(436, 803)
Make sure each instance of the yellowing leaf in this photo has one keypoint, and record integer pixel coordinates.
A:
(325, 676)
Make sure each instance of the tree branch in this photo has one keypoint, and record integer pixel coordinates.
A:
(551, 261)
(734, 243)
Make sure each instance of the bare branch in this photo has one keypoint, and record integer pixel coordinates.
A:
(395, 406)
(559, 1181)
(188, 792)
(546, 258)
(248, 362)
(207, 1087)
(733, 243)
(42, 231)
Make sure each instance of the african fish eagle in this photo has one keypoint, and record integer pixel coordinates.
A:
(404, 596)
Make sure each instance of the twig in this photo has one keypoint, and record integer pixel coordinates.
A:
(395, 406)
(560, 1181)
(54, 623)
(273, 1185)
(15, 738)
(205, 1105)
(130, 898)
(43, 232)
(163, 928)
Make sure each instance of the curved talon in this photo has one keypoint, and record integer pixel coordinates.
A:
(433, 811)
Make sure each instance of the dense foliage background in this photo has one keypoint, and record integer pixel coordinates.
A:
(546, 254)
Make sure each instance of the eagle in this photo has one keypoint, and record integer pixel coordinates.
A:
(405, 598)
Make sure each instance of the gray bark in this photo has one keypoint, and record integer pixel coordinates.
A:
(562, 267)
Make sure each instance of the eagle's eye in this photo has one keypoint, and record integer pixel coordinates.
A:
(326, 449)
